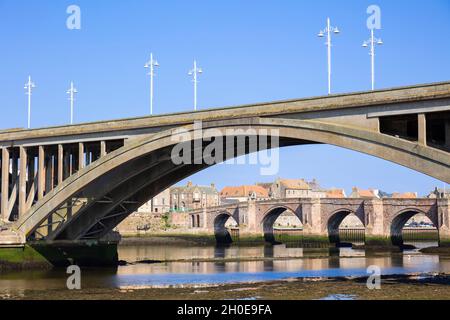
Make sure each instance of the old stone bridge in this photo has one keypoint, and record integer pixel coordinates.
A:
(383, 219)
(76, 183)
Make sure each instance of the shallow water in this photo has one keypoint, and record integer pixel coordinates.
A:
(215, 265)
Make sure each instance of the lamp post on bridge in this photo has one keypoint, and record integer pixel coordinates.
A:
(372, 42)
(328, 30)
(29, 86)
(151, 64)
(194, 72)
(71, 92)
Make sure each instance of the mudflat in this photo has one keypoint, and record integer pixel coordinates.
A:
(411, 286)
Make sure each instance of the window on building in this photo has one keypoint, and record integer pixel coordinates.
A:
(196, 196)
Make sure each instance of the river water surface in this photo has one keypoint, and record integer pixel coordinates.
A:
(203, 265)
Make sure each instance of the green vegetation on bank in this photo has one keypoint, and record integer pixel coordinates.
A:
(22, 258)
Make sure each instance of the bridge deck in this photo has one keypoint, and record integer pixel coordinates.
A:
(415, 93)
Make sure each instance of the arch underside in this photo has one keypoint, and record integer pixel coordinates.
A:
(399, 221)
(221, 233)
(269, 219)
(93, 201)
(335, 221)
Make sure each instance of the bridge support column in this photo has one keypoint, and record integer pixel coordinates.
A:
(312, 220)
(252, 225)
(81, 157)
(102, 148)
(447, 134)
(443, 208)
(23, 181)
(376, 232)
(60, 163)
(422, 129)
(5, 185)
(41, 172)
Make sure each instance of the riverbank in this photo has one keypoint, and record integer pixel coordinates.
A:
(393, 287)
(194, 239)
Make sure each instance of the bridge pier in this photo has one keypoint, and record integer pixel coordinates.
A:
(376, 234)
(16, 254)
(443, 207)
(312, 222)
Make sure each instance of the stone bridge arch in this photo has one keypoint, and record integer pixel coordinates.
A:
(271, 215)
(90, 203)
(221, 232)
(398, 221)
(335, 219)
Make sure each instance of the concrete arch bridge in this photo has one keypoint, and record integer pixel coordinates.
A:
(76, 183)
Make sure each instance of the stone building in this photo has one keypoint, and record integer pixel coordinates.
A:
(361, 193)
(440, 193)
(243, 193)
(404, 195)
(295, 188)
(159, 204)
(335, 193)
(190, 197)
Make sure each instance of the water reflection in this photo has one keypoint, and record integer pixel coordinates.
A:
(174, 265)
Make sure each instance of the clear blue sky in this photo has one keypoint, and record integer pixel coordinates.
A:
(250, 51)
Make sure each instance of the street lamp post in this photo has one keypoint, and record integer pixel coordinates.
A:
(372, 41)
(194, 72)
(29, 86)
(151, 64)
(328, 30)
(71, 92)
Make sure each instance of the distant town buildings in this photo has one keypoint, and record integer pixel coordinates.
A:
(293, 188)
(335, 193)
(440, 193)
(243, 193)
(159, 204)
(191, 197)
(181, 199)
(405, 195)
(361, 193)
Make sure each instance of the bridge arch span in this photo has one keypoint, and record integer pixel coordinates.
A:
(269, 218)
(94, 200)
(334, 221)
(221, 231)
(401, 218)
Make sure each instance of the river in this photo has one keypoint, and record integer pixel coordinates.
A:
(178, 265)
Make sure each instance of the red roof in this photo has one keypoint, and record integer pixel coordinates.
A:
(244, 191)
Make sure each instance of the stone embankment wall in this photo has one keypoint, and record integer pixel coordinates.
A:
(146, 223)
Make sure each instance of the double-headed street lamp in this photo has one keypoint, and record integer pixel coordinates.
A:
(328, 30)
(71, 92)
(151, 64)
(194, 72)
(29, 86)
(372, 42)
